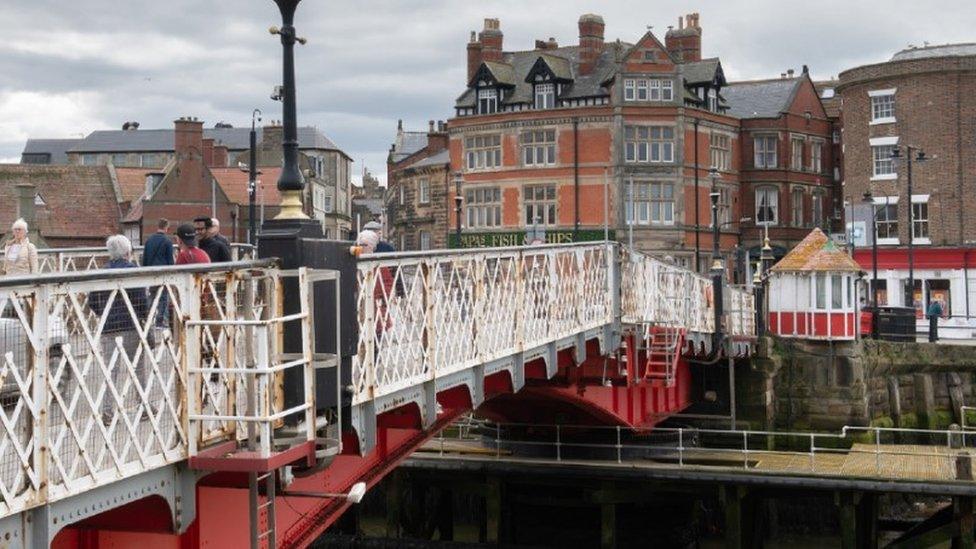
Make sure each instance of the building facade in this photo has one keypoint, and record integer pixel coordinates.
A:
(565, 143)
(921, 98)
(787, 175)
(420, 189)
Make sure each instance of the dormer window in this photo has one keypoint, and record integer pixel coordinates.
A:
(487, 101)
(712, 100)
(545, 96)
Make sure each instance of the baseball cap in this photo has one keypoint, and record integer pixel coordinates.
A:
(372, 226)
(187, 233)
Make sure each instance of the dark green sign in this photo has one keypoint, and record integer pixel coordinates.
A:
(517, 238)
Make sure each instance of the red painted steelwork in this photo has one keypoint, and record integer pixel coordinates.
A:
(227, 457)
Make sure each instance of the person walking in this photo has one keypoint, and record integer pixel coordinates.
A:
(158, 252)
(19, 254)
(217, 250)
(120, 337)
(934, 312)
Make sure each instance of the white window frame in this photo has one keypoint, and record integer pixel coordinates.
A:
(650, 202)
(720, 151)
(424, 239)
(878, 145)
(403, 197)
(423, 191)
(642, 147)
(769, 192)
(545, 96)
(816, 155)
(483, 207)
(630, 93)
(490, 98)
(761, 154)
(917, 219)
(541, 205)
(796, 152)
(817, 200)
(796, 207)
(882, 105)
(538, 147)
(483, 151)
(648, 89)
(883, 201)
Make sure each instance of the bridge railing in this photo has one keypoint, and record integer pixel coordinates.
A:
(741, 312)
(655, 291)
(62, 260)
(94, 371)
(426, 315)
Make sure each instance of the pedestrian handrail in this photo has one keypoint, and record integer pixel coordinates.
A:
(853, 451)
(84, 258)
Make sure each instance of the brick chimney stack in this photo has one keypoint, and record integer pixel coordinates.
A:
(437, 137)
(188, 145)
(208, 151)
(221, 156)
(474, 56)
(590, 41)
(684, 42)
(491, 41)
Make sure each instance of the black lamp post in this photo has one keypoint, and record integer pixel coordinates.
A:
(290, 183)
(717, 268)
(458, 200)
(895, 156)
(869, 200)
(252, 181)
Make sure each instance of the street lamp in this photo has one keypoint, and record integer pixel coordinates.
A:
(868, 199)
(252, 181)
(290, 183)
(458, 200)
(717, 269)
(896, 155)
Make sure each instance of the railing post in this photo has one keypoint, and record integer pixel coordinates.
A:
(190, 289)
(619, 446)
(813, 461)
(559, 453)
(745, 449)
(265, 407)
(877, 451)
(40, 390)
(681, 447)
(498, 441)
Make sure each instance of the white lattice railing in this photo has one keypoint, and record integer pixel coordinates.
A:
(656, 292)
(741, 312)
(93, 371)
(426, 315)
(62, 260)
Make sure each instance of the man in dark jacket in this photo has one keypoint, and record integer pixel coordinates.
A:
(120, 335)
(158, 251)
(216, 250)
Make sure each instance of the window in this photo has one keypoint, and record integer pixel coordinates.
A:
(816, 156)
(767, 205)
(649, 144)
(120, 159)
(487, 101)
(539, 147)
(821, 288)
(402, 197)
(724, 207)
(796, 204)
(816, 208)
(721, 151)
(484, 207)
(423, 191)
(484, 151)
(886, 219)
(424, 240)
(920, 219)
(796, 162)
(545, 96)
(882, 106)
(540, 205)
(327, 203)
(643, 89)
(149, 160)
(765, 151)
(836, 292)
(882, 163)
(712, 101)
(650, 203)
(89, 160)
(835, 137)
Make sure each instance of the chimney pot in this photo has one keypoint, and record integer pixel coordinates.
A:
(430, 126)
(789, 72)
(399, 124)
(681, 22)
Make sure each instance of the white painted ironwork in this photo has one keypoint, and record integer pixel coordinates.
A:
(93, 374)
(656, 292)
(64, 260)
(427, 315)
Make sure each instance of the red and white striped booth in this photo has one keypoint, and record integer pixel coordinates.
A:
(812, 294)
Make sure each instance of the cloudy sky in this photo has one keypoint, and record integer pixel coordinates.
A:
(70, 67)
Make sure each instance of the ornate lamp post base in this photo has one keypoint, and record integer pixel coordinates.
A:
(291, 206)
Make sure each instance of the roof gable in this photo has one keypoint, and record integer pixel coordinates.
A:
(549, 67)
(816, 252)
(495, 74)
(649, 54)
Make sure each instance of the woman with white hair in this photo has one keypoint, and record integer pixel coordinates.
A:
(120, 324)
(19, 255)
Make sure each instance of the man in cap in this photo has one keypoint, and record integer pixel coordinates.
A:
(186, 236)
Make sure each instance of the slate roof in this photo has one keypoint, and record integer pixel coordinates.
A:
(79, 203)
(440, 158)
(945, 50)
(700, 72)
(521, 62)
(407, 143)
(57, 148)
(829, 97)
(235, 139)
(760, 99)
(816, 252)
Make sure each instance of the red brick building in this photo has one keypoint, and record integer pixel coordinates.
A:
(573, 139)
(787, 174)
(923, 98)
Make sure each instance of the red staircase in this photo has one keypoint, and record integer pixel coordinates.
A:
(662, 352)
